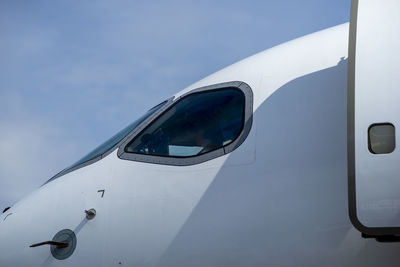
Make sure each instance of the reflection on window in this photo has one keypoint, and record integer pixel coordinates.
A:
(117, 137)
(197, 124)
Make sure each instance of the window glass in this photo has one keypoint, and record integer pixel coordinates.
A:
(117, 137)
(196, 124)
(381, 138)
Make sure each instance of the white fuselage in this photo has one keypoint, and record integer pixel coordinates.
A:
(279, 199)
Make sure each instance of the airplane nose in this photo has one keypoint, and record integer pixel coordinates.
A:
(11, 239)
(16, 234)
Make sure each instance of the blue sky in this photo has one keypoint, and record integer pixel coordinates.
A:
(72, 73)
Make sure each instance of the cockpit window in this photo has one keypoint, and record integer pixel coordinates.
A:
(110, 143)
(198, 123)
(203, 124)
(117, 137)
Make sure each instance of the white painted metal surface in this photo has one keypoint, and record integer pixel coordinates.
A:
(280, 199)
(376, 94)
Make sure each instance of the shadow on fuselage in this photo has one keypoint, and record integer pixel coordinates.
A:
(289, 208)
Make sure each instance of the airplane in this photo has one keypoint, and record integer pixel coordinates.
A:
(286, 158)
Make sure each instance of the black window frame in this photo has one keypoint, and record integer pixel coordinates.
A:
(195, 159)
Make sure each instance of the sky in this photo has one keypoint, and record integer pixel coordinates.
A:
(73, 73)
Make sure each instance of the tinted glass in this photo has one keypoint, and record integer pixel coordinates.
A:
(381, 138)
(196, 124)
(116, 138)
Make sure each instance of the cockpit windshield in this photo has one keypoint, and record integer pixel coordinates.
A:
(110, 143)
(117, 137)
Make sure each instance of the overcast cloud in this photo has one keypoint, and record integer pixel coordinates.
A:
(72, 73)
